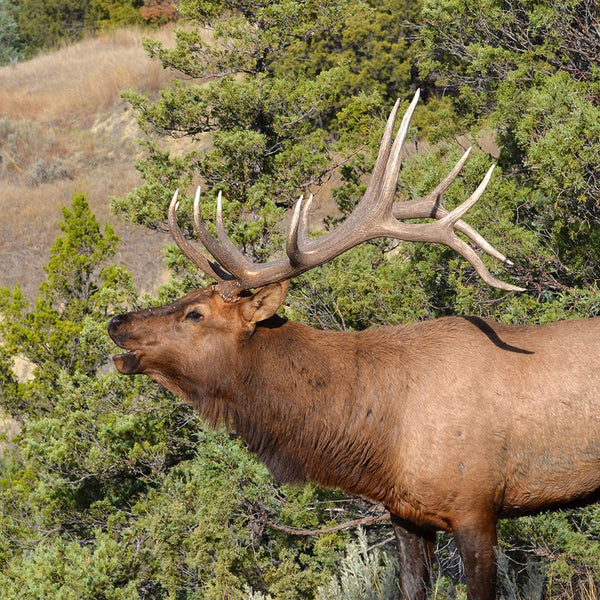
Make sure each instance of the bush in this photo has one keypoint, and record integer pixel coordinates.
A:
(363, 575)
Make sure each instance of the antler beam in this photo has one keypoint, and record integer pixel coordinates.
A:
(376, 215)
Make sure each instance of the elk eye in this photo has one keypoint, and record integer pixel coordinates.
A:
(194, 315)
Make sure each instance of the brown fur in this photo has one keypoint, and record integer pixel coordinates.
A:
(450, 423)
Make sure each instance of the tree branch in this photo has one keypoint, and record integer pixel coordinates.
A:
(339, 527)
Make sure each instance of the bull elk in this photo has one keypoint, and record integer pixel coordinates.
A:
(451, 423)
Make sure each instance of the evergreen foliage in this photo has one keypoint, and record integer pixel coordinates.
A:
(10, 40)
(28, 26)
(525, 69)
(110, 14)
(267, 113)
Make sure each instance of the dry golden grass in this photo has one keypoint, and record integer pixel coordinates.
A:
(30, 225)
(76, 82)
(64, 129)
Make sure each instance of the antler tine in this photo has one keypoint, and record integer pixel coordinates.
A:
(383, 155)
(443, 232)
(390, 179)
(423, 211)
(475, 261)
(463, 208)
(225, 240)
(291, 246)
(382, 184)
(303, 233)
(435, 194)
(450, 239)
(298, 233)
(226, 254)
(453, 218)
(191, 252)
(374, 208)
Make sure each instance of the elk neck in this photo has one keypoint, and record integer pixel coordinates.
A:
(298, 397)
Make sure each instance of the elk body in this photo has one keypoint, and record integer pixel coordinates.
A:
(451, 423)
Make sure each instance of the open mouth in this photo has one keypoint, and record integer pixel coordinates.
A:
(128, 363)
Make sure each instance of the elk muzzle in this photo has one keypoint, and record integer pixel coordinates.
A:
(129, 362)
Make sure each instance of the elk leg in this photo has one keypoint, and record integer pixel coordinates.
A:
(415, 551)
(476, 544)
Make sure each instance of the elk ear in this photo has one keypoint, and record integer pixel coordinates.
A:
(265, 302)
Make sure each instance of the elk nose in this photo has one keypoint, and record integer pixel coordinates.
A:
(115, 323)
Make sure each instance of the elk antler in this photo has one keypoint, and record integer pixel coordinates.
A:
(376, 215)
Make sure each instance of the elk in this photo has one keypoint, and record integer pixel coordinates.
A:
(450, 423)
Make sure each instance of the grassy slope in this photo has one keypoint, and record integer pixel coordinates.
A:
(65, 129)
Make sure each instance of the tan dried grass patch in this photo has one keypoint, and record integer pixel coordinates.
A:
(29, 226)
(76, 82)
(64, 129)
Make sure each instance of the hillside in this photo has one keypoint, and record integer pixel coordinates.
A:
(65, 129)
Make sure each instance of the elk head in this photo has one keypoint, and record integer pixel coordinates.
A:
(166, 342)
